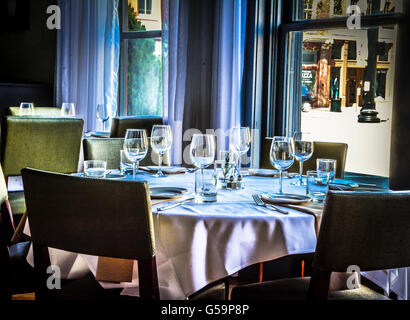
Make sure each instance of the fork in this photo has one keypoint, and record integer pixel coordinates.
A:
(259, 202)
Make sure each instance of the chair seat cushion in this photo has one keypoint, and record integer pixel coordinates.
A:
(17, 202)
(296, 289)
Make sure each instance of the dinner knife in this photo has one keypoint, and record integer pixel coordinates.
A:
(174, 205)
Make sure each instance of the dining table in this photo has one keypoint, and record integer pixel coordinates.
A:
(200, 243)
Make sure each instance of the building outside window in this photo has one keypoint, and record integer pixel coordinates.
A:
(335, 64)
(141, 58)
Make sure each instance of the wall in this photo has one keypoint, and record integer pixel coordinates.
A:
(28, 56)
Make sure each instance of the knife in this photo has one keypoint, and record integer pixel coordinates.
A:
(174, 205)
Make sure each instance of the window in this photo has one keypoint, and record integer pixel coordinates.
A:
(144, 6)
(331, 72)
(141, 58)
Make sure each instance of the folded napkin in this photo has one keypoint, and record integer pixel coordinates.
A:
(263, 172)
(166, 170)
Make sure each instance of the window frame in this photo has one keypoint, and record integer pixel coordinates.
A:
(286, 15)
(128, 35)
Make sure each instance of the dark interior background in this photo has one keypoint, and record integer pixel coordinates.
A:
(27, 55)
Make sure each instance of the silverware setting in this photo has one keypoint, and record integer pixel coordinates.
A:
(259, 202)
(174, 205)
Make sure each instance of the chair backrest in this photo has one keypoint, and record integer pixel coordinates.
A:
(43, 143)
(369, 230)
(327, 150)
(109, 218)
(38, 111)
(121, 124)
(108, 149)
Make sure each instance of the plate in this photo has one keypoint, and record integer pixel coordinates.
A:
(263, 172)
(285, 198)
(99, 134)
(167, 192)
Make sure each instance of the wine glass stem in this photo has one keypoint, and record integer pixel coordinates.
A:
(300, 171)
(280, 181)
(239, 164)
(159, 164)
(134, 170)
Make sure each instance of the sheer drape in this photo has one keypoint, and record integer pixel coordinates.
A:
(203, 45)
(88, 57)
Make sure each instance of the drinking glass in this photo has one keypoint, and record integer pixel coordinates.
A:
(239, 141)
(161, 141)
(125, 164)
(317, 185)
(326, 166)
(68, 109)
(303, 147)
(281, 155)
(26, 109)
(95, 168)
(202, 152)
(102, 115)
(135, 147)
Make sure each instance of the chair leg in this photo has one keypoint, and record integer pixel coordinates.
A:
(148, 279)
(319, 285)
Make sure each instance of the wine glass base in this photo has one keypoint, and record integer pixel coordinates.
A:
(159, 175)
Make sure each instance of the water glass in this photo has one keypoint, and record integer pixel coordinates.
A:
(125, 163)
(326, 166)
(205, 189)
(68, 110)
(317, 185)
(95, 168)
(281, 155)
(26, 109)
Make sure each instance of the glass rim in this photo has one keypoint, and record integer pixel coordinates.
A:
(326, 160)
(95, 162)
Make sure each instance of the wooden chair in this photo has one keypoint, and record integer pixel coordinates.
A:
(368, 230)
(12, 256)
(108, 218)
(121, 124)
(327, 150)
(43, 143)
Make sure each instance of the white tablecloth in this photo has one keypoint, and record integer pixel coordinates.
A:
(201, 243)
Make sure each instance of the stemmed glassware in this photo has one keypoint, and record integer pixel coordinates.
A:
(239, 141)
(26, 109)
(135, 147)
(161, 141)
(303, 147)
(281, 155)
(102, 115)
(68, 109)
(202, 152)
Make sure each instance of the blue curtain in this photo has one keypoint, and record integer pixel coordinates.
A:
(203, 44)
(88, 57)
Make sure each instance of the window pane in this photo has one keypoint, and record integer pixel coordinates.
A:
(324, 9)
(142, 77)
(144, 15)
(329, 92)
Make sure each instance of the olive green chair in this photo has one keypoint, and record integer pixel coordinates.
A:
(100, 217)
(38, 111)
(39, 142)
(121, 124)
(327, 150)
(108, 149)
(368, 230)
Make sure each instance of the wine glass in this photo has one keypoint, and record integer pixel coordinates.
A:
(102, 115)
(135, 147)
(202, 152)
(68, 109)
(26, 109)
(303, 147)
(161, 141)
(239, 141)
(281, 155)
